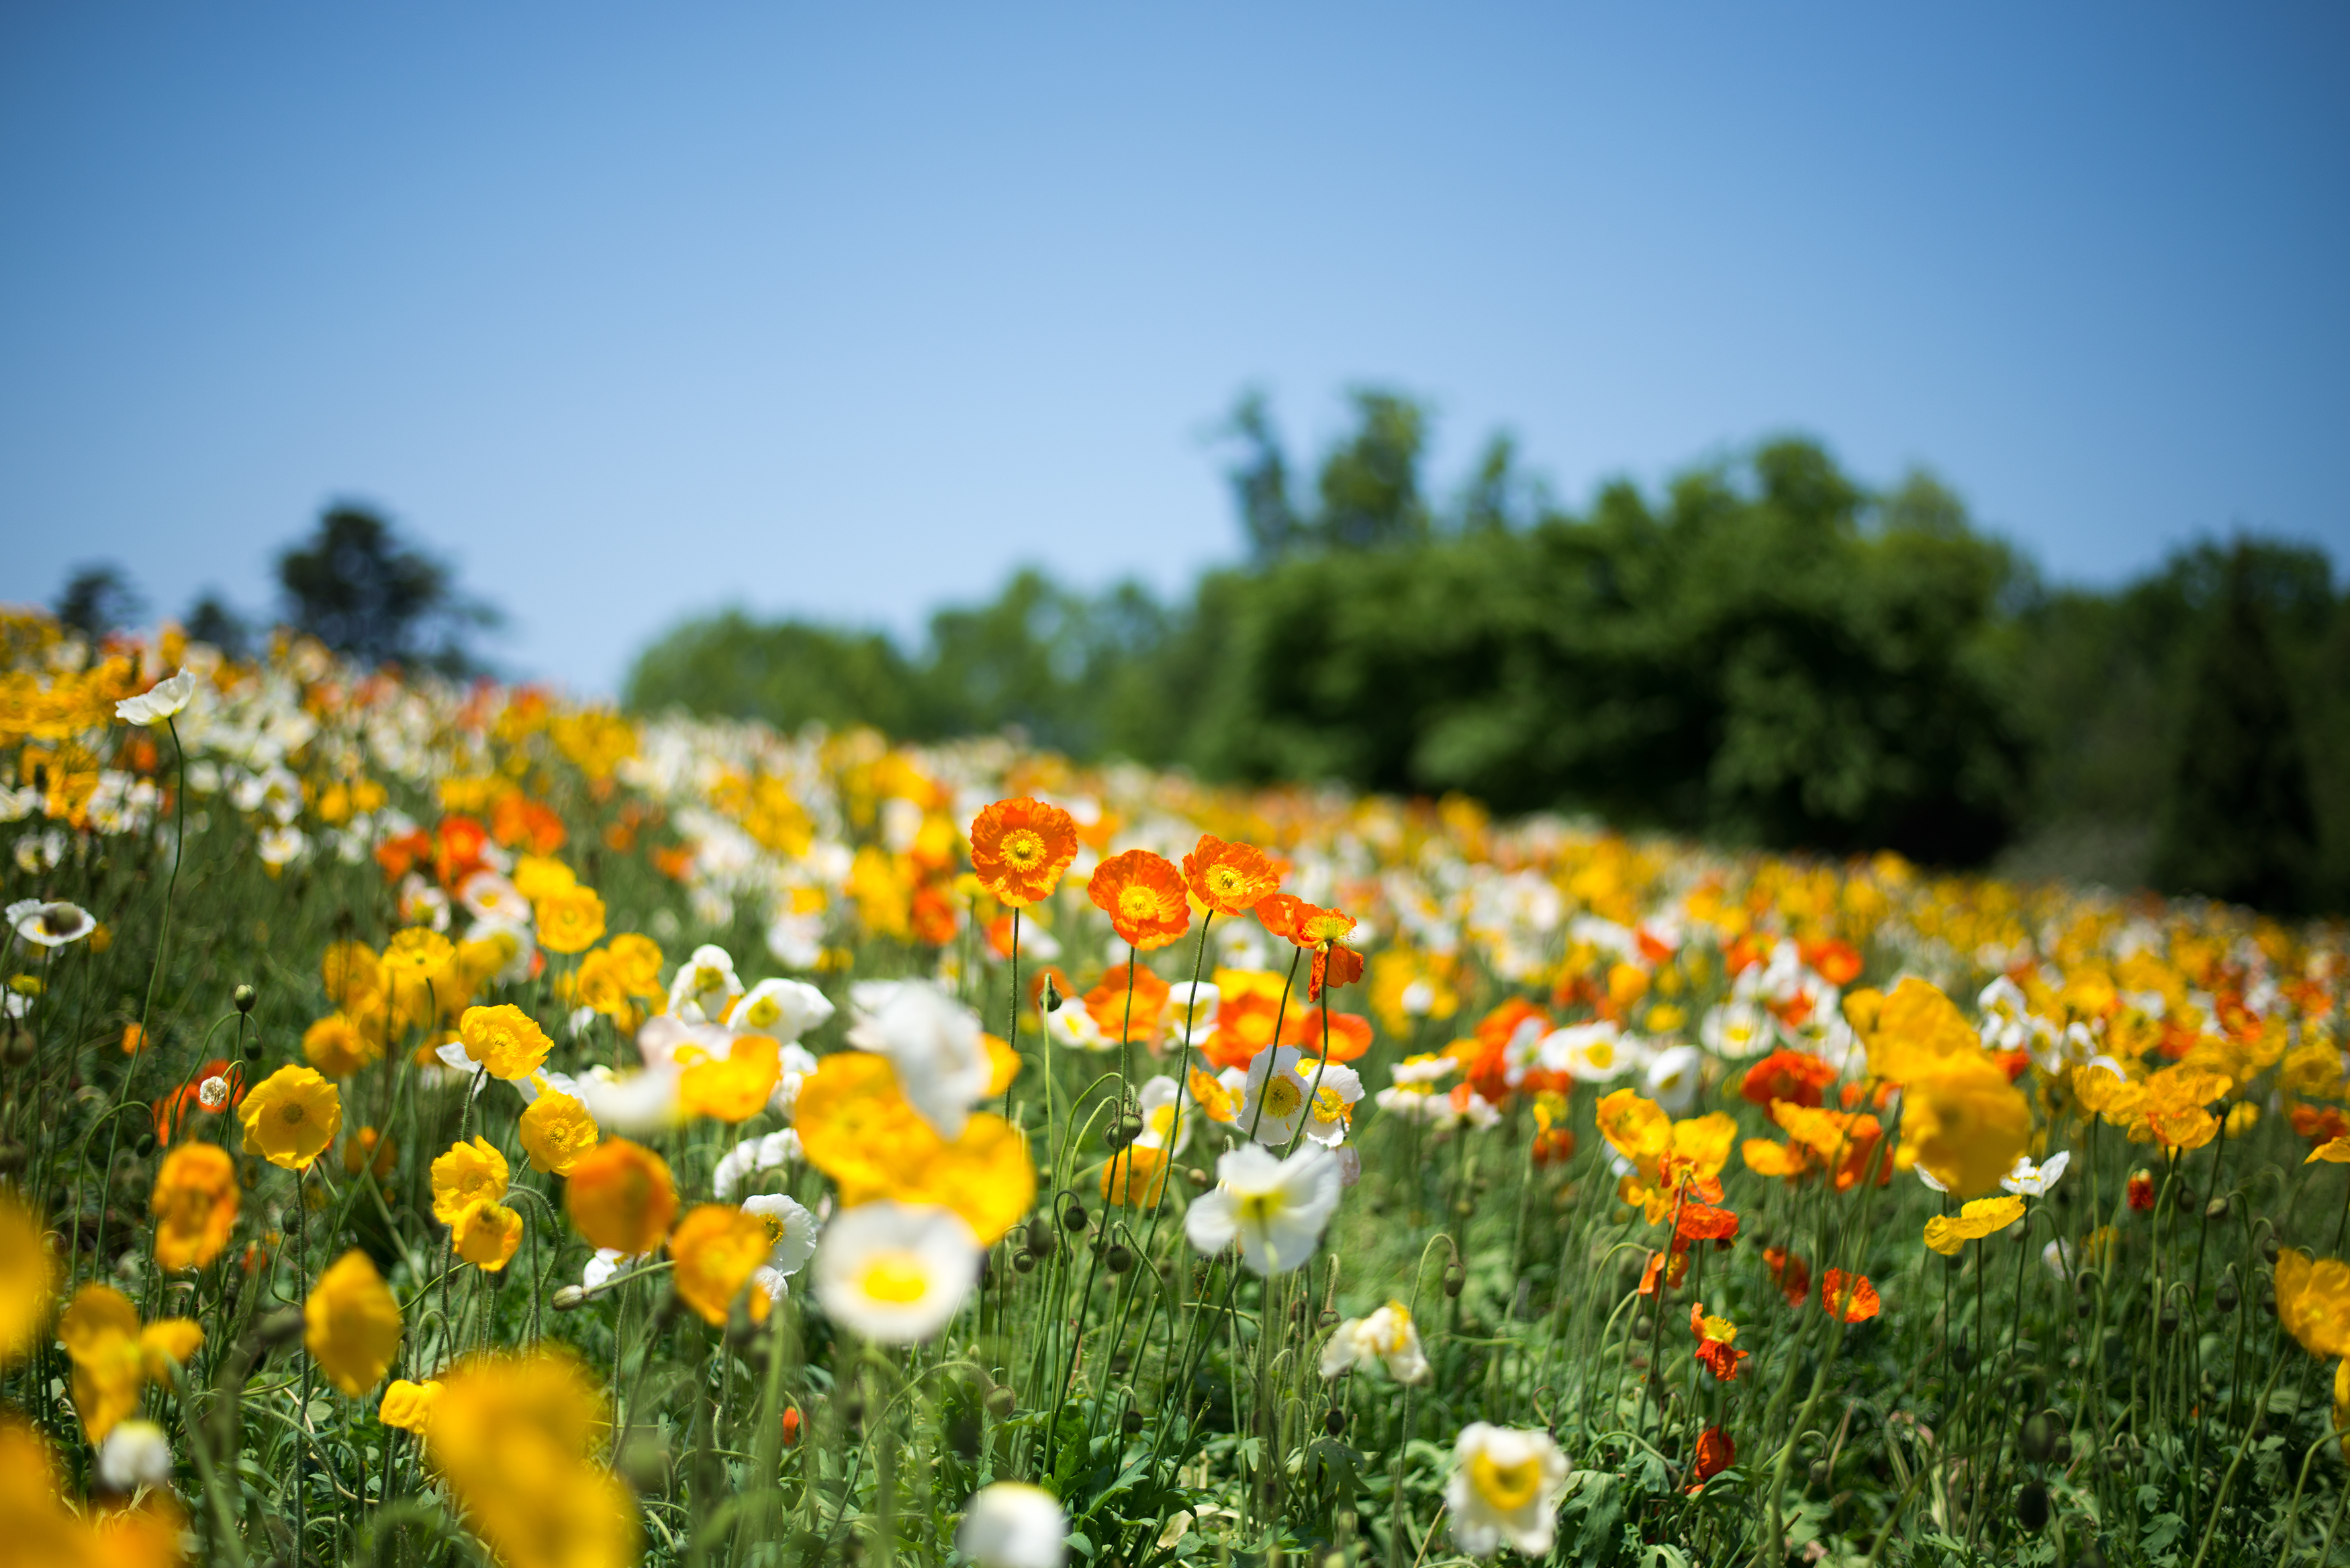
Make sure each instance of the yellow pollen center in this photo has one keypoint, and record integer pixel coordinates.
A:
(1260, 1207)
(1137, 903)
(1023, 851)
(896, 1277)
(290, 1115)
(1282, 1098)
(1507, 1487)
(774, 1224)
(1225, 880)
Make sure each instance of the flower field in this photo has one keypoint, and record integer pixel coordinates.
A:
(444, 1125)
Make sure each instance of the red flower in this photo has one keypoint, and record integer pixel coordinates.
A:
(1790, 1273)
(1848, 1296)
(457, 849)
(1554, 1146)
(2141, 1191)
(1715, 1454)
(1704, 1223)
(1795, 1076)
(1721, 1358)
(1838, 963)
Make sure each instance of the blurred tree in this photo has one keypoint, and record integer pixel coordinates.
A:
(356, 586)
(211, 619)
(788, 673)
(98, 598)
(1260, 482)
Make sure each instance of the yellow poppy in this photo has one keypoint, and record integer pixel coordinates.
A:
(556, 1131)
(619, 1194)
(469, 1173)
(291, 1117)
(570, 921)
(351, 1323)
(28, 1277)
(1977, 1219)
(485, 1234)
(717, 1248)
(505, 1039)
(195, 1204)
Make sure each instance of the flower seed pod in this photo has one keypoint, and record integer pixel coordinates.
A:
(1040, 1239)
(1053, 997)
(1130, 1423)
(244, 997)
(2032, 1506)
(253, 1049)
(1072, 1217)
(1454, 1278)
(1334, 1420)
(2226, 1297)
(568, 1299)
(1001, 1401)
(1116, 1258)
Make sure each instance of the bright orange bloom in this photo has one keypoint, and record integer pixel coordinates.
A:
(1020, 848)
(1796, 1075)
(1704, 1223)
(1838, 963)
(1790, 1273)
(1713, 1343)
(1144, 896)
(1134, 1177)
(519, 822)
(1230, 878)
(1715, 1454)
(457, 849)
(1279, 913)
(1554, 1146)
(1334, 965)
(1350, 1033)
(717, 1248)
(182, 1103)
(621, 1195)
(194, 1205)
(1848, 1296)
(1107, 1004)
(1319, 927)
(2141, 1191)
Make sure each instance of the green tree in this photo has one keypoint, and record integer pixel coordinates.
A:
(356, 586)
(98, 598)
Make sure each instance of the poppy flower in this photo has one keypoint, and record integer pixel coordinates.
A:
(1135, 1014)
(1230, 878)
(1143, 895)
(1790, 1273)
(1334, 966)
(621, 1195)
(195, 1204)
(717, 1248)
(1020, 848)
(1948, 1236)
(1794, 1075)
(1280, 914)
(1704, 1223)
(291, 1118)
(2141, 1191)
(351, 1323)
(1715, 1454)
(1848, 1296)
(1349, 1036)
(217, 1086)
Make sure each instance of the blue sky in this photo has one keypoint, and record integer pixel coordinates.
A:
(845, 311)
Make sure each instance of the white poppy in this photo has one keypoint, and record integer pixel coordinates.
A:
(1070, 1024)
(50, 925)
(1674, 1077)
(798, 1067)
(1273, 1097)
(1737, 1030)
(705, 986)
(2030, 1181)
(1012, 1524)
(782, 1010)
(135, 1454)
(1426, 1068)
(1276, 1209)
(791, 1229)
(1589, 1053)
(1505, 1486)
(934, 1042)
(631, 1102)
(606, 1262)
(1331, 1093)
(1157, 1102)
(281, 847)
(896, 1272)
(1386, 1338)
(159, 702)
(752, 1155)
(1418, 999)
(1192, 1011)
(490, 896)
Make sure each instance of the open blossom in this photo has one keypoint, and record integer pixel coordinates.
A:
(1019, 849)
(933, 1042)
(1505, 1489)
(896, 1272)
(1388, 1337)
(1275, 1209)
(162, 700)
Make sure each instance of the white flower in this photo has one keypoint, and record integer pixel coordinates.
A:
(159, 702)
(1588, 1052)
(705, 986)
(50, 925)
(1273, 1097)
(1933, 1183)
(2030, 1181)
(1192, 1011)
(1386, 1337)
(752, 1155)
(1276, 1209)
(1674, 1076)
(798, 1067)
(896, 1272)
(606, 1262)
(1505, 1487)
(1737, 1030)
(1426, 1068)
(933, 1042)
(631, 1102)
(792, 1230)
(1014, 1525)
(782, 1010)
(490, 896)
(282, 846)
(135, 1454)
(1158, 1104)
(1419, 999)
(796, 938)
(213, 1092)
(1331, 1093)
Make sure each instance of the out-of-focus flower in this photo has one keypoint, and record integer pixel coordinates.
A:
(50, 925)
(1230, 878)
(1121, 1014)
(857, 1127)
(1388, 1337)
(2313, 1302)
(505, 1039)
(338, 1047)
(194, 1203)
(1144, 896)
(1505, 1488)
(511, 1437)
(164, 699)
(1795, 1076)
(351, 1323)
(1012, 1524)
(485, 1234)
(570, 921)
(28, 1277)
(2139, 1190)
(114, 1358)
(1848, 1296)
(1977, 1219)
(1715, 1454)
(1674, 1075)
(752, 1155)
(135, 1454)
(291, 1117)
(933, 1042)
(791, 1238)
(717, 1248)
(1134, 1177)
(896, 1272)
(1275, 1209)
(408, 1406)
(783, 1010)
(556, 1130)
(1020, 849)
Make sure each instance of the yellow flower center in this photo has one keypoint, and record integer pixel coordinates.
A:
(1226, 881)
(762, 1012)
(290, 1114)
(1330, 1105)
(895, 1277)
(1282, 1097)
(1137, 903)
(1507, 1487)
(774, 1224)
(1024, 849)
(1259, 1208)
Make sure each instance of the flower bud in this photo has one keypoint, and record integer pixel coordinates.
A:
(1334, 1421)
(567, 1298)
(1116, 1258)
(1130, 1423)
(1454, 1278)
(244, 997)
(2032, 1506)
(2039, 1439)
(1072, 1217)
(1001, 1402)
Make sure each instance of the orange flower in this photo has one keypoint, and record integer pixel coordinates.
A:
(1108, 1005)
(1349, 1037)
(1713, 1343)
(1848, 1296)
(1704, 1223)
(1715, 1454)
(1334, 966)
(2141, 1191)
(175, 1107)
(1134, 1177)
(1795, 1076)
(717, 1248)
(620, 1196)
(1279, 913)
(1230, 878)
(1143, 894)
(1790, 1273)
(519, 822)
(1020, 849)
(195, 1204)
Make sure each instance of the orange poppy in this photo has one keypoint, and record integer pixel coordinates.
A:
(1134, 1177)
(1848, 1296)
(1704, 1223)
(1838, 963)
(1244, 1026)
(1144, 896)
(457, 849)
(1020, 849)
(1795, 1076)
(1790, 1273)
(182, 1103)
(1715, 1454)
(519, 822)
(1350, 1033)
(1334, 966)
(1230, 878)
(1279, 914)
(1119, 1017)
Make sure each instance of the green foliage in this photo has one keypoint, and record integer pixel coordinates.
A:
(357, 587)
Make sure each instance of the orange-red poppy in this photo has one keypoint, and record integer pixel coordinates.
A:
(1350, 1033)
(2140, 1191)
(1790, 1273)
(1230, 878)
(1279, 914)
(1838, 963)
(181, 1104)
(399, 856)
(1704, 1223)
(1554, 1146)
(1244, 1026)
(1715, 1454)
(1796, 1075)
(1108, 1005)
(1019, 848)
(1848, 1296)
(519, 822)
(1144, 896)
(1334, 966)
(457, 844)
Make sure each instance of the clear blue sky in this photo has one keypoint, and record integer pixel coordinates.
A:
(845, 310)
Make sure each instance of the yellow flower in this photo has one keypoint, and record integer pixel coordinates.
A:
(1974, 1221)
(2334, 1151)
(1909, 1031)
(114, 1358)
(195, 1204)
(510, 1437)
(339, 1047)
(2313, 1302)
(417, 973)
(1636, 1128)
(537, 877)
(735, 1087)
(291, 1117)
(718, 1248)
(556, 1131)
(1963, 1121)
(505, 1039)
(570, 921)
(619, 1194)
(352, 974)
(855, 1125)
(408, 1406)
(28, 1277)
(468, 1174)
(485, 1234)
(351, 1323)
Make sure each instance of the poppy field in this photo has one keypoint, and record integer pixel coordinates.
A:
(449, 1125)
